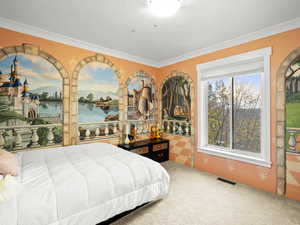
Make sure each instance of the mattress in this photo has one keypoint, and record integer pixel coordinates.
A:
(82, 185)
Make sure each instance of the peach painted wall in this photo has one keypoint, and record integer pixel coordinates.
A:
(250, 174)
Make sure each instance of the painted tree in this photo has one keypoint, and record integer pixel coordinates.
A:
(90, 97)
(44, 95)
(176, 92)
(292, 81)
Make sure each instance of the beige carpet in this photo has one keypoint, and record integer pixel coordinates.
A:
(197, 198)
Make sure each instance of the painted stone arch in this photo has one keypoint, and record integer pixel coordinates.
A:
(177, 112)
(95, 61)
(140, 97)
(33, 50)
(281, 90)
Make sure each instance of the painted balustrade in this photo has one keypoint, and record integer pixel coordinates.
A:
(92, 131)
(142, 126)
(177, 127)
(21, 137)
(293, 142)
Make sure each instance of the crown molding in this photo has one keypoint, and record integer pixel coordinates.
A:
(38, 32)
(41, 33)
(268, 31)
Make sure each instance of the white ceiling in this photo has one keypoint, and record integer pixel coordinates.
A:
(109, 23)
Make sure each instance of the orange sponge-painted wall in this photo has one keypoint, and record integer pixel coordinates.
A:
(260, 177)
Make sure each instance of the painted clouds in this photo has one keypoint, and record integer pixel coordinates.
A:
(38, 71)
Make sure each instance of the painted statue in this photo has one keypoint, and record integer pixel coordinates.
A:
(144, 100)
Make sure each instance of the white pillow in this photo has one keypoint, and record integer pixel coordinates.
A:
(8, 163)
(9, 187)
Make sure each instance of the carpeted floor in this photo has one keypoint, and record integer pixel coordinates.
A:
(197, 198)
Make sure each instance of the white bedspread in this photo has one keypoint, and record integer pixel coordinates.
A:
(82, 185)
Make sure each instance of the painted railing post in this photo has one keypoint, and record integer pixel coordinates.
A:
(187, 129)
(97, 132)
(180, 131)
(78, 134)
(87, 134)
(106, 129)
(292, 141)
(168, 127)
(115, 128)
(50, 136)
(35, 137)
(127, 130)
(2, 141)
(174, 127)
(18, 139)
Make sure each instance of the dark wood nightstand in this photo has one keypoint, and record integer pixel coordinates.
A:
(155, 149)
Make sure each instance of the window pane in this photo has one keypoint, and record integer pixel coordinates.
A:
(219, 94)
(246, 113)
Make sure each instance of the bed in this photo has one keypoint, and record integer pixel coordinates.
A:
(82, 185)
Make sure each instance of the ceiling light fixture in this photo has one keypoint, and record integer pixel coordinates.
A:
(164, 8)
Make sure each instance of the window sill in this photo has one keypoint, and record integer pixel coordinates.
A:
(235, 156)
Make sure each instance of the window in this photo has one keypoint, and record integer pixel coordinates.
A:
(234, 107)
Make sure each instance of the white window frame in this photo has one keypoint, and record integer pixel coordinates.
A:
(246, 63)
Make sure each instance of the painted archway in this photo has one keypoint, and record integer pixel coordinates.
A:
(75, 92)
(140, 97)
(282, 173)
(33, 50)
(185, 154)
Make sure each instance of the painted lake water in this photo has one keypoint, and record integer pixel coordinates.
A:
(49, 108)
(88, 113)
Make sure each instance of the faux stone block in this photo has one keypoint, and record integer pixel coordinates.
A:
(280, 156)
(44, 55)
(100, 58)
(31, 49)
(9, 50)
(20, 49)
(280, 186)
(2, 54)
(280, 100)
(281, 172)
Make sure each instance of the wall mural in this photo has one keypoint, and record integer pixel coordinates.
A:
(141, 97)
(293, 106)
(30, 96)
(98, 97)
(176, 99)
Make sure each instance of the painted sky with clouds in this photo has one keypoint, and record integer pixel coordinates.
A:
(38, 71)
(136, 84)
(96, 76)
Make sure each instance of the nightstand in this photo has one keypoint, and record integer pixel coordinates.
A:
(155, 149)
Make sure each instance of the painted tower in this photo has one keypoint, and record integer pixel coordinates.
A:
(16, 95)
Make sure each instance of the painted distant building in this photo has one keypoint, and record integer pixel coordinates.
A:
(15, 95)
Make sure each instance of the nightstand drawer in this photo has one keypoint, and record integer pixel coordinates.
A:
(160, 156)
(159, 147)
(155, 149)
(142, 150)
